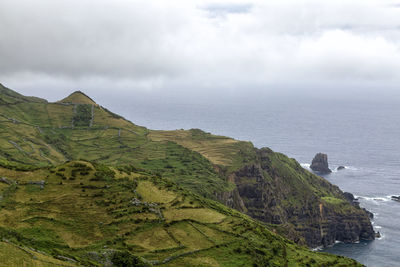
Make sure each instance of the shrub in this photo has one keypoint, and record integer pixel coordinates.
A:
(83, 115)
(125, 259)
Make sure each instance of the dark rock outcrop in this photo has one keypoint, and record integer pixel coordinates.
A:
(349, 196)
(340, 168)
(320, 164)
(396, 198)
(39, 183)
(269, 190)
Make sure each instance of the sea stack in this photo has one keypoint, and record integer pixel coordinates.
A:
(320, 164)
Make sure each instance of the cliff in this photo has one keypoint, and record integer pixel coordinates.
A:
(277, 190)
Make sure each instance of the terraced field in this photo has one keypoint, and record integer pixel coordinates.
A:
(83, 213)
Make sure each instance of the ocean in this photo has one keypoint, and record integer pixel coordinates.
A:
(363, 136)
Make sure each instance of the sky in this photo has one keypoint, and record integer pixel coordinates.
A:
(192, 50)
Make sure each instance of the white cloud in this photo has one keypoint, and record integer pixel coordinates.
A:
(198, 45)
(342, 55)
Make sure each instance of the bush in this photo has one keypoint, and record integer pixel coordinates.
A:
(125, 259)
(83, 115)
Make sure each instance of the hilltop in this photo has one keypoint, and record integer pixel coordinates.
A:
(78, 97)
(223, 174)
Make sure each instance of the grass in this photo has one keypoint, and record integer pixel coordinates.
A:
(76, 217)
(78, 98)
(14, 255)
(151, 193)
(199, 215)
(219, 150)
(153, 239)
(333, 200)
(189, 237)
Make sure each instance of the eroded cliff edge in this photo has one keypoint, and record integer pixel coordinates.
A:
(276, 189)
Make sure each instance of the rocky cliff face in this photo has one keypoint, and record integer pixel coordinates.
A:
(277, 190)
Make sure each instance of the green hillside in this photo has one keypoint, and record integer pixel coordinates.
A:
(10, 97)
(90, 214)
(124, 161)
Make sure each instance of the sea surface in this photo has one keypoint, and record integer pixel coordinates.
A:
(363, 136)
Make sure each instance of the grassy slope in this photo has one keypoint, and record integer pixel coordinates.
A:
(220, 150)
(232, 155)
(9, 96)
(14, 255)
(38, 133)
(87, 210)
(42, 134)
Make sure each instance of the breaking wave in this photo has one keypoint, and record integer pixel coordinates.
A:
(333, 168)
(318, 248)
(305, 165)
(376, 200)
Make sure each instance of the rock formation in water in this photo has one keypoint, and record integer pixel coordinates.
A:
(341, 168)
(320, 164)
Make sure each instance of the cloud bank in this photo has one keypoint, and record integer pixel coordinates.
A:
(199, 47)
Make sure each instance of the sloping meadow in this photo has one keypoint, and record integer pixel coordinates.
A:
(86, 213)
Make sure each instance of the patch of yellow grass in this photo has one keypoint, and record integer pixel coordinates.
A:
(195, 261)
(215, 235)
(333, 200)
(189, 236)
(201, 215)
(73, 240)
(2, 186)
(145, 215)
(13, 218)
(152, 239)
(12, 255)
(151, 193)
(219, 150)
(120, 174)
(18, 175)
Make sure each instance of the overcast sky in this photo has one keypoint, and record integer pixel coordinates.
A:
(129, 48)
